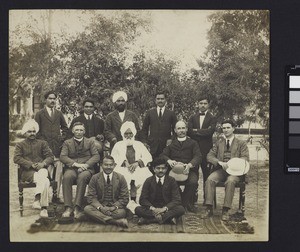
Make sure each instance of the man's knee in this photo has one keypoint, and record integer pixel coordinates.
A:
(88, 209)
(84, 177)
(232, 180)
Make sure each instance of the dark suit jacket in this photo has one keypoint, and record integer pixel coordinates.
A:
(95, 195)
(156, 132)
(84, 153)
(50, 129)
(29, 152)
(238, 147)
(98, 125)
(186, 152)
(170, 192)
(204, 135)
(113, 124)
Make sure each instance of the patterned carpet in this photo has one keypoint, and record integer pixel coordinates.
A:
(189, 223)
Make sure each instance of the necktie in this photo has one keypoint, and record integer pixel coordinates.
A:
(108, 180)
(227, 145)
(160, 113)
(89, 117)
(159, 182)
(52, 113)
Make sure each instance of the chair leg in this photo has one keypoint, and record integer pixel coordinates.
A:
(21, 199)
(242, 198)
(54, 196)
(215, 198)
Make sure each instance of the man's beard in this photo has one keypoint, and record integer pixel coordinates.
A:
(120, 108)
(129, 142)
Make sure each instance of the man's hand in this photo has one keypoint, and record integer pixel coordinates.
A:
(172, 163)
(224, 165)
(38, 166)
(187, 168)
(195, 130)
(158, 211)
(106, 210)
(100, 137)
(133, 167)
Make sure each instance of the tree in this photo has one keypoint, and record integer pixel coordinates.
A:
(235, 69)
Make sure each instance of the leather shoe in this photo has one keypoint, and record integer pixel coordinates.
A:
(36, 205)
(225, 216)
(206, 213)
(120, 222)
(144, 221)
(192, 209)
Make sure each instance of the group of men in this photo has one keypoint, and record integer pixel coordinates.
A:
(140, 174)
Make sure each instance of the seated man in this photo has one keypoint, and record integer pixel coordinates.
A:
(108, 196)
(160, 199)
(132, 157)
(185, 150)
(79, 155)
(34, 156)
(222, 151)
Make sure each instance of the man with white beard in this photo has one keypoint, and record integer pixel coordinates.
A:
(132, 157)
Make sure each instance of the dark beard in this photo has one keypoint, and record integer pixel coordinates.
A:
(120, 108)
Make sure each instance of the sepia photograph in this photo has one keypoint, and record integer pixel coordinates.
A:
(139, 125)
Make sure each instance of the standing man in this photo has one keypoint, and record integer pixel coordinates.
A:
(223, 150)
(160, 199)
(79, 155)
(201, 128)
(108, 196)
(94, 126)
(186, 151)
(158, 126)
(53, 129)
(34, 156)
(115, 119)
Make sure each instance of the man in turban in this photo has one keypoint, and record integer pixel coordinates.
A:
(115, 119)
(132, 157)
(34, 156)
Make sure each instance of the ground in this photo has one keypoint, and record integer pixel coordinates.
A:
(257, 204)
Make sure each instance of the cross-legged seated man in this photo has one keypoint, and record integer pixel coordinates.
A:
(108, 196)
(79, 155)
(160, 199)
(132, 157)
(222, 151)
(34, 156)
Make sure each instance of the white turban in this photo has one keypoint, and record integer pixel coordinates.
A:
(30, 124)
(128, 125)
(119, 94)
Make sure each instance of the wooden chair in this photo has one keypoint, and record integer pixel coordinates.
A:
(22, 185)
(242, 189)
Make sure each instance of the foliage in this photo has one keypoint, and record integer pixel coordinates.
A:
(235, 68)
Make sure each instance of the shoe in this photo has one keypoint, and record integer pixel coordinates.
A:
(44, 213)
(192, 209)
(225, 216)
(78, 215)
(172, 221)
(67, 213)
(206, 213)
(36, 205)
(119, 223)
(144, 221)
(57, 200)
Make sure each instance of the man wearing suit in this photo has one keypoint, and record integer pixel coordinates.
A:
(115, 119)
(108, 196)
(53, 129)
(34, 156)
(222, 151)
(160, 199)
(201, 128)
(79, 155)
(94, 126)
(158, 126)
(184, 150)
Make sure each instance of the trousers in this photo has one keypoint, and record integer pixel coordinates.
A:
(40, 178)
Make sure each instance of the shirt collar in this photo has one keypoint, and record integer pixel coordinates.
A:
(49, 110)
(181, 139)
(162, 179)
(78, 139)
(230, 139)
(162, 109)
(87, 116)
